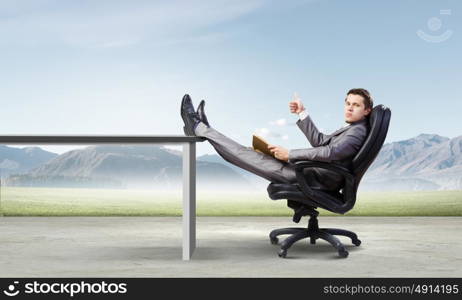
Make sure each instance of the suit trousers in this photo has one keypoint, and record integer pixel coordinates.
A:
(258, 163)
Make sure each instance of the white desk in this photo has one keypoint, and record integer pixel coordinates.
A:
(189, 168)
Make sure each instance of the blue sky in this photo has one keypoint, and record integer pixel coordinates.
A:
(122, 67)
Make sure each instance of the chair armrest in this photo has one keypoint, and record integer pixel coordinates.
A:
(349, 195)
(303, 164)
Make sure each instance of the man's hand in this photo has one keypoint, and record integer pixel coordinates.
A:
(279, 152)
(296, 105)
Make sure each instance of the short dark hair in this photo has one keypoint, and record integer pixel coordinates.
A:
(367, 99)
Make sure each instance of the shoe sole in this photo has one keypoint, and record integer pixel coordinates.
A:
(188, 130)
(201, 113)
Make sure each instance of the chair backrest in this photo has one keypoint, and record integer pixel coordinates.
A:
(379, 120)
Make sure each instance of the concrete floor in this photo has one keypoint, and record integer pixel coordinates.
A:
(226, 247)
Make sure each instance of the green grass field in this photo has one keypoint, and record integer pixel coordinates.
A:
(22, 201)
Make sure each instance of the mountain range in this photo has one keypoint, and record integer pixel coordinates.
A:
(147, 167)
(426, 162)
(20, 160)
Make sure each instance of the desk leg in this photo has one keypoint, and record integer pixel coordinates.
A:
(189, 199)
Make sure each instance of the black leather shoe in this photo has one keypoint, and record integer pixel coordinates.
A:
(190, 117)
(200, 111)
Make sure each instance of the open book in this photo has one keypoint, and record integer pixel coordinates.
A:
(260, 145)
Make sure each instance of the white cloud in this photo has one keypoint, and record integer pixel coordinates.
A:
(95, 24)
(263, 132)
(266, 133)
(281, 122)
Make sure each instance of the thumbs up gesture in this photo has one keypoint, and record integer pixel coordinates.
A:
(296, 105)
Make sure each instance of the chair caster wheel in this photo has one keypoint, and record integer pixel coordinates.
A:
(356, 242)
(274, 241)
(343, 253)
(282, 253)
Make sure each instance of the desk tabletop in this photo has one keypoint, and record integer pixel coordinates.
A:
(98, 139)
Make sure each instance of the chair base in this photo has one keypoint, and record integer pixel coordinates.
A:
(314, 233)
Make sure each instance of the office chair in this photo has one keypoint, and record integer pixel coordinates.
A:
(304, 200)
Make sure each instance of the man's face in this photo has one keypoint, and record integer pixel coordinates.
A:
(354, 108)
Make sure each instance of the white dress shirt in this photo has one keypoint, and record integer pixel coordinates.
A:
(303, 114)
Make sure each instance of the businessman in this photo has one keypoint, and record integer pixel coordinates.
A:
(338, 147)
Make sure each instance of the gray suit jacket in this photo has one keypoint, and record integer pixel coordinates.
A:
(339, 147)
